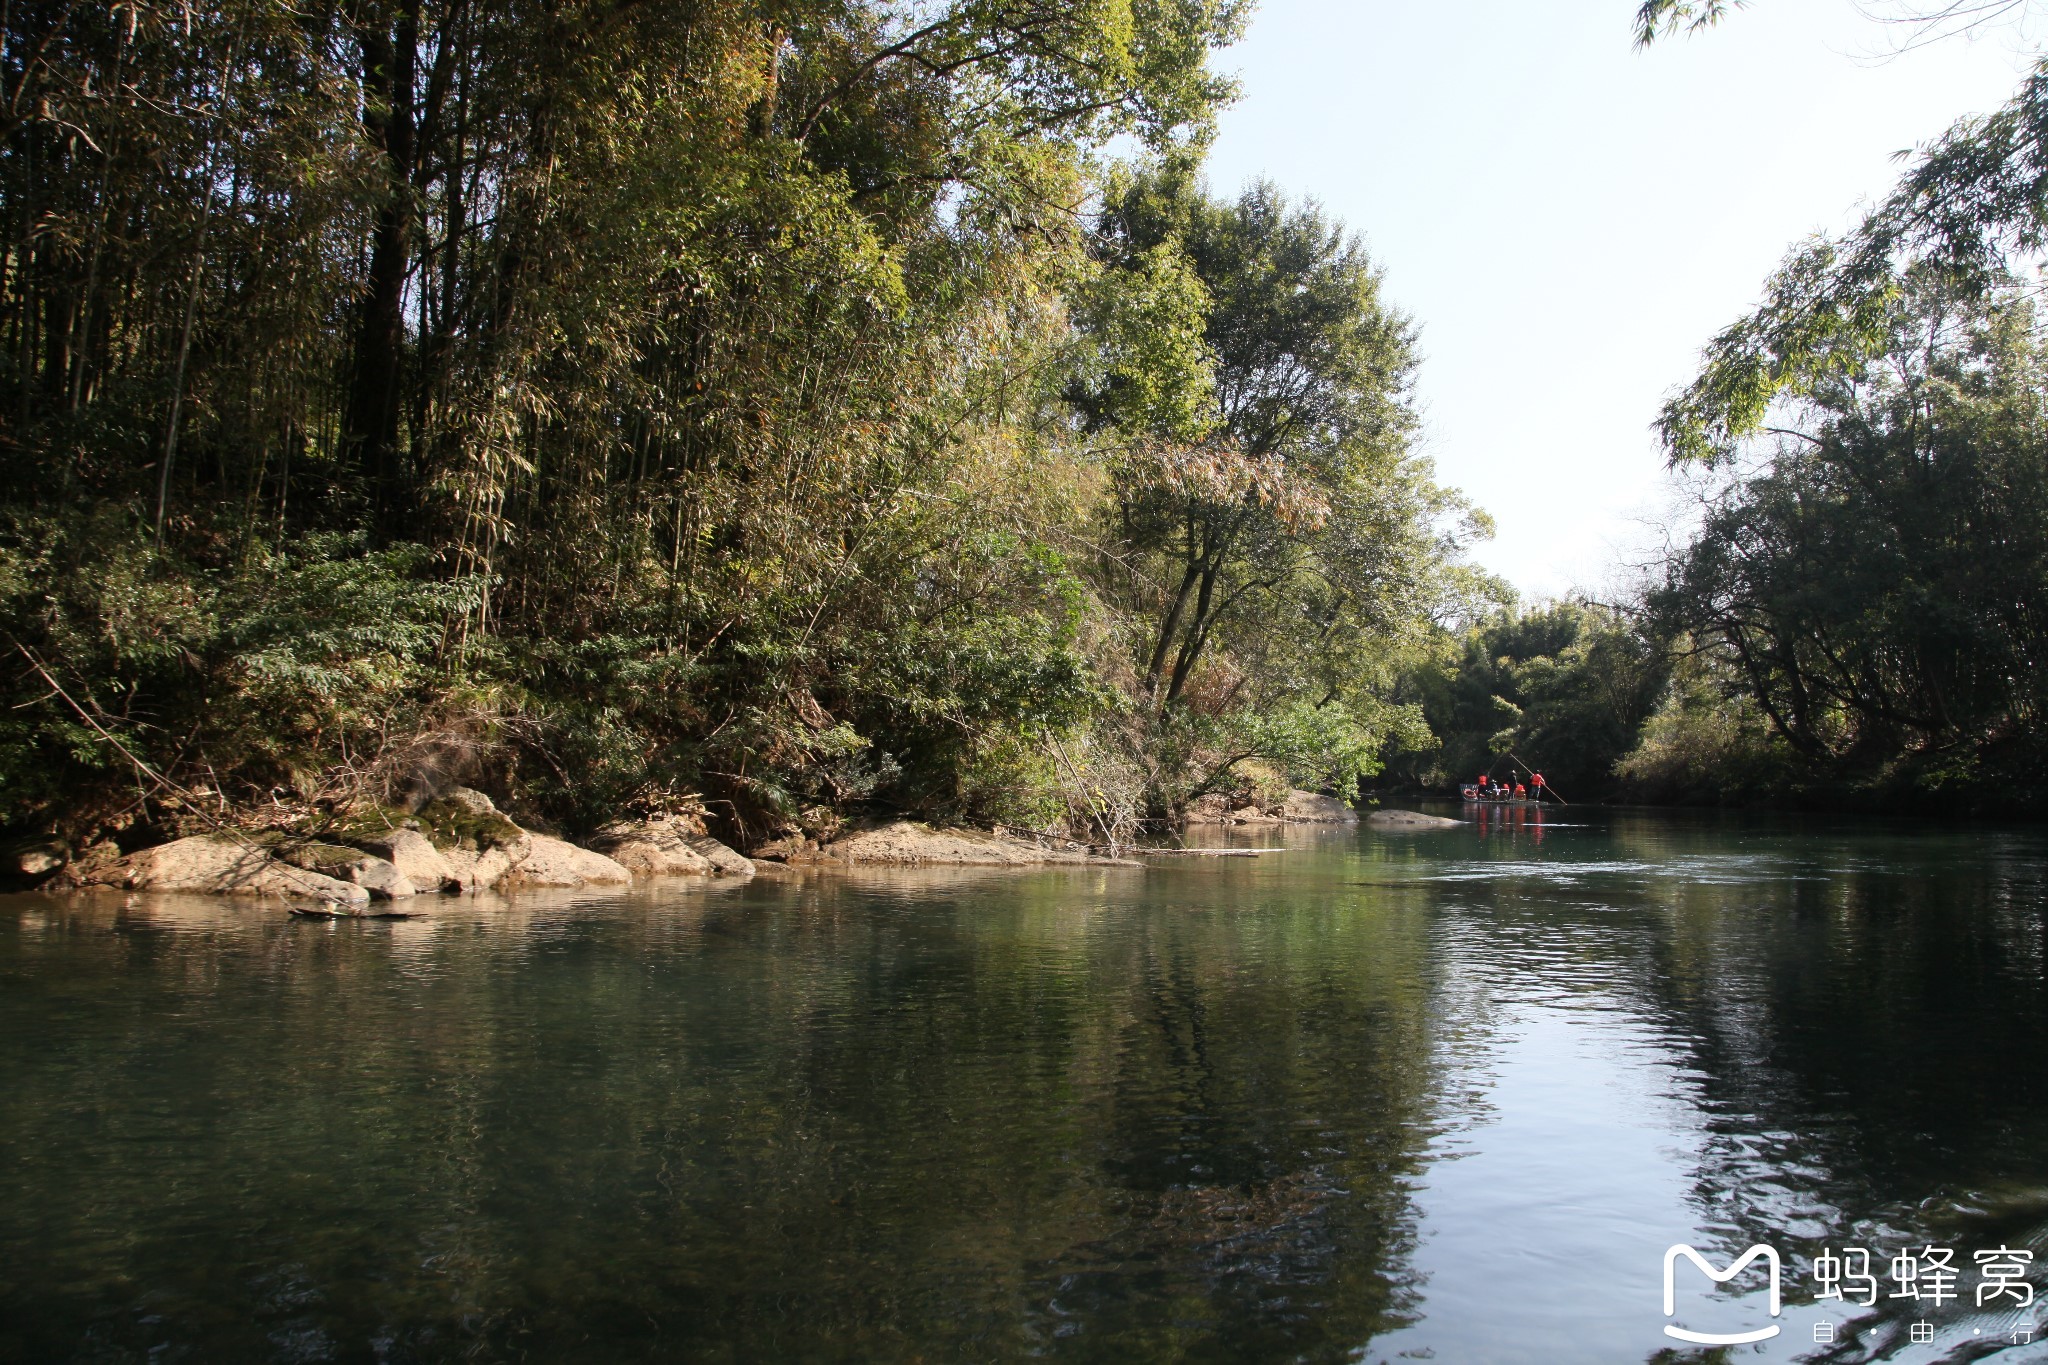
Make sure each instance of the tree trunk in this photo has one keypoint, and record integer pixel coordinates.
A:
(390, 47)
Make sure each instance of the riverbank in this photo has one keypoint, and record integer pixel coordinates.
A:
(462, 844)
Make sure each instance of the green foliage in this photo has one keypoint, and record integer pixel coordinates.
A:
(1970, 207)
(1875, 578)
(1266, 558)
(1660, 18)
(1148, 368)
(1564, 690)
(271, 664)
(1329, 748)
(614, 403)
(1708, 742)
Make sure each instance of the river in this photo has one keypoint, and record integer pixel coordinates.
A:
(1445, 1096)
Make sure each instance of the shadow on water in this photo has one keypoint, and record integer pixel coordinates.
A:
(1437, 1096)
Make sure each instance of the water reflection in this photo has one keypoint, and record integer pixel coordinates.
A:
(1429, 1096)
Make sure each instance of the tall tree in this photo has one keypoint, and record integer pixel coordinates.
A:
(1275, 535)
(1876, 576)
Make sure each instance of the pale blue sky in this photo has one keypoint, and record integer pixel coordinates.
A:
(1568, 220)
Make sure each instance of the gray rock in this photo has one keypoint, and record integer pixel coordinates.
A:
(471, 800)
(1313, 808)
(36, 859)
(556, 862)
(415, 856)
(474, 872)
(905, 843)
(724, 861)
(381, 879)
(1398, 820)
(375, 875)
(655, 847)
(216, 866)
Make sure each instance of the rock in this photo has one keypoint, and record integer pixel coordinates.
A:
(467, 820)
(94, 866)
(1313, 808)
(39, 858)
(415, 856)
(223, 867)
(724, 861)
(655, 847)
(789, 848)
(474, 872)
(659, 859)
(557, 862)
(382, 879)
(1213, 809)
(905, 843)
(471, 800)
(375, 875)
(1408, 820)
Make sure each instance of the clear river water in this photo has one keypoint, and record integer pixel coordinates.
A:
(1446, 1096)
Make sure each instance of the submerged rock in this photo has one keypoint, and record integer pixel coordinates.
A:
(1408, 820)
(212, 865)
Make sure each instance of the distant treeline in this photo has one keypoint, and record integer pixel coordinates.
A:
(1858, 618)
(615, 403)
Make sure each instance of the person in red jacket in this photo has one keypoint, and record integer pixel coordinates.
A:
(1536, 783)
(1521, 792)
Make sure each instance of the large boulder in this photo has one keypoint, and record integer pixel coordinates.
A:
(724, 861)
(467, 844)
(1408, 820)
(905, 843)
(36, 857)
(217, 866)
(470, 821)
(378, 876)
(474, 872)
(416, 858)
(556, 862)
(1313, 808)
(471, 800)
(655, 847)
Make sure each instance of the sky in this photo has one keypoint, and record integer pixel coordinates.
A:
(1568, 220)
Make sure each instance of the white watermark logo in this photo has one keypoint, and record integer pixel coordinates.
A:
(1768, 1255)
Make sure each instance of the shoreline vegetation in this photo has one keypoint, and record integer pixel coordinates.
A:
(460, 844)
(795, 419)
(792, 420)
